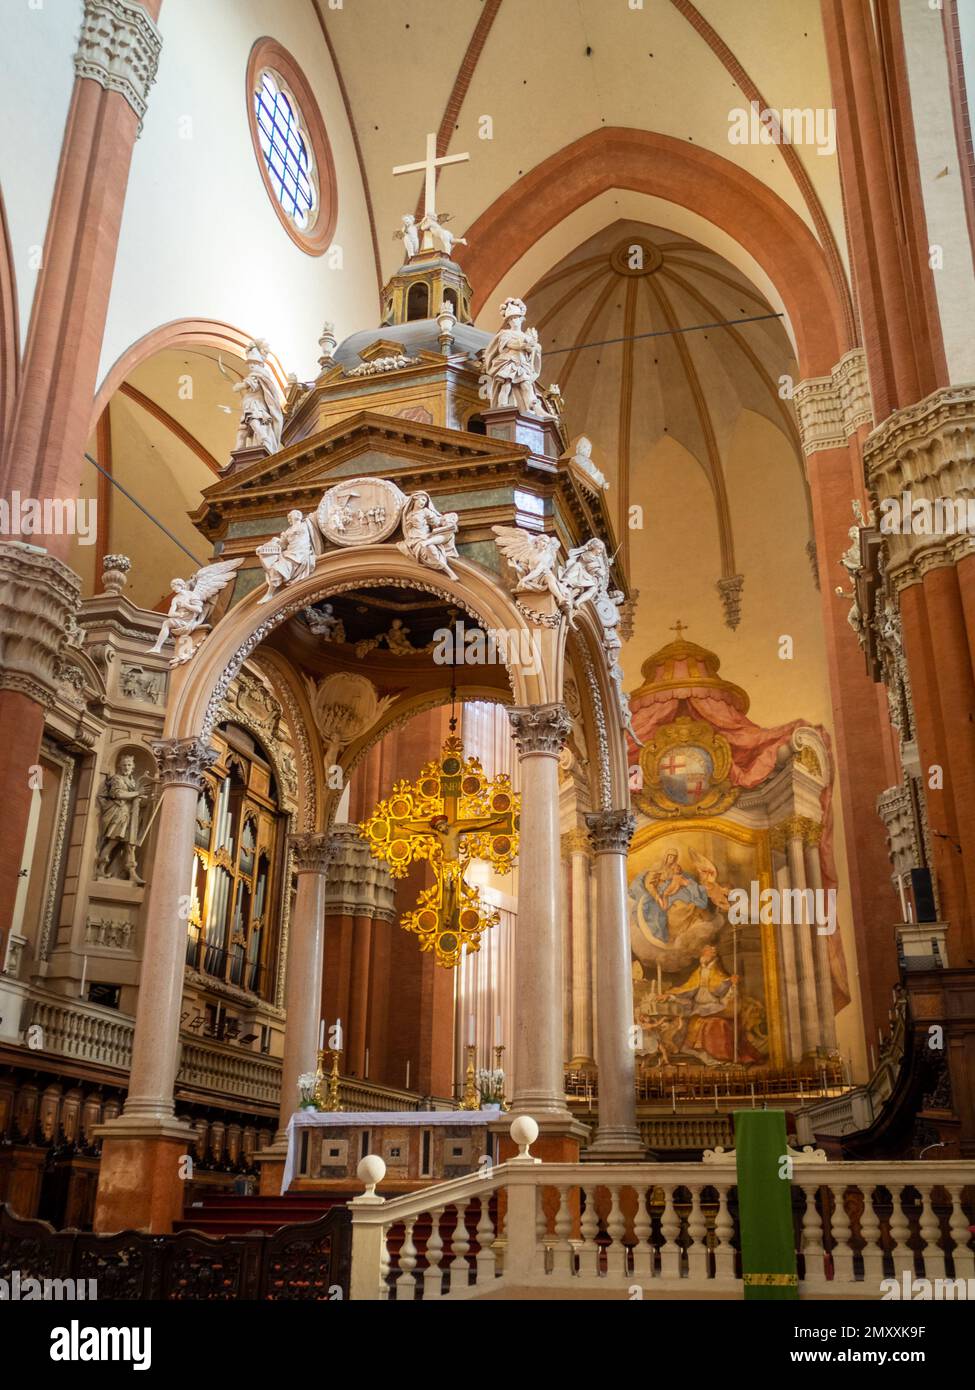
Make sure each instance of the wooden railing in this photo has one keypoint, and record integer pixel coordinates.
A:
(606, 1228)
(308, 1262)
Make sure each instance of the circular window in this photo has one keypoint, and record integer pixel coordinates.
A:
(291, 146)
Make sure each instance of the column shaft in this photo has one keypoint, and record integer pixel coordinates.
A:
(306, 954)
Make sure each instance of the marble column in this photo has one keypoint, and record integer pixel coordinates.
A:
(42, 453)
(139, 1181)
(803, 929)
(824, 975)
(618, 1135)
(540, 732)
(306, 953)
(576, 846)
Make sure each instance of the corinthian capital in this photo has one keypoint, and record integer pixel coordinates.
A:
(540, 728)
(182, 761)
(610, 831)
(312, 853)
(119, 49)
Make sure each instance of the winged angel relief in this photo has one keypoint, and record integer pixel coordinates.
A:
(190, 607)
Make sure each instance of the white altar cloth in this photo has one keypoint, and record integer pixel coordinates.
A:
(365, 1119)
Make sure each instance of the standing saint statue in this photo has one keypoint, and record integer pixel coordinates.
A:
(428, 535)
(261, 417)
(290, 556)
(513, 363)
(119, 812)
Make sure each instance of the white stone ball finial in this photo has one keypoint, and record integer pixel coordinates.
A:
(371, 1170)
(524, 1131)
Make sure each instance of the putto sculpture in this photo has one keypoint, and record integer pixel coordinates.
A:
(190, 605)
(534, 557)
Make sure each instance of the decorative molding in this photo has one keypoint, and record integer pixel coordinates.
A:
(832, 408)
(730, 590)
(602, 734)
(610, 831)
(181, 762)
(540, 729)
(39, 598)
(312, 852)
(895, 807)
(802, 828)
(576, 842)
(119, 49)
(358, 884)
(67, 765)
(114, 933)
(928, 451)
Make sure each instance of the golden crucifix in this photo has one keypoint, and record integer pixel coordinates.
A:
(452, 814)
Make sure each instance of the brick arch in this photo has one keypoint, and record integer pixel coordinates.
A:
(179, 333)
(714, 188)
(9, 328)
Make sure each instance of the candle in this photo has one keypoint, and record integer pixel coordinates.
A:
(715, 1096)
(84, 976)
(753, 1094)
(321, 1035)
(470, 1030)
(873, 1062)
(407, 1073)
(497, 1027)
(673, 1099)
(338, 1035)
(367, 1064)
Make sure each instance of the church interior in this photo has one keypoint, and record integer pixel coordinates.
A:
(487, 648)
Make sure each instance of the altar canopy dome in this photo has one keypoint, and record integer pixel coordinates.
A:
(684, 671)
(422, 335)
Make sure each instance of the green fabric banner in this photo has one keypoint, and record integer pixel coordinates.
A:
(768, 1250)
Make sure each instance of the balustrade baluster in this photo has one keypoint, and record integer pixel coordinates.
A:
(642, 1227)
(873, 1255)
(460, 1244)
(615, 1229)
(900, 1233)
(541, 1233)
(485, 1261)
(962, 1256)
(724, 1230)
(841, 1231)
(433, 1274)
(589, 1230)
(563, 1260)
(406, 1283)
(932, 1256)
(384, 1263)
(697, 1229)
(670, 1229)
(812, 1241)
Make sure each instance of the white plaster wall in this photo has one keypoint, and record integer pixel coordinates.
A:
(36, 78)
(200, 237)
(941, 184)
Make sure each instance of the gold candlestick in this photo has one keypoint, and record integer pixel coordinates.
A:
(498, 1066)
(472, 1096)
(329, 1101)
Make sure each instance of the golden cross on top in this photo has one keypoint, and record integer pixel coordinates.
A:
(429, 166)
(679, 628)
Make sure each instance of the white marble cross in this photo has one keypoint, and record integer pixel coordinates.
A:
(430, 165)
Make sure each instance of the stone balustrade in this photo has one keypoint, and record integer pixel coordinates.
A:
(601, 1229)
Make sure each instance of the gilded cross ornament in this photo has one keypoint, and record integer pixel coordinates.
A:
(451, 814)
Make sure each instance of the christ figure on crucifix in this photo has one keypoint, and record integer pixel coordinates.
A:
(447, 856)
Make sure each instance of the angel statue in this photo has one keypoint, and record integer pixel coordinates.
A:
(290, 556)
(190, 605)
(428, 535)
(444, 241)
(533, 558)
(261, 417)
(409, 235)
(513, 363)
(586, 576)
